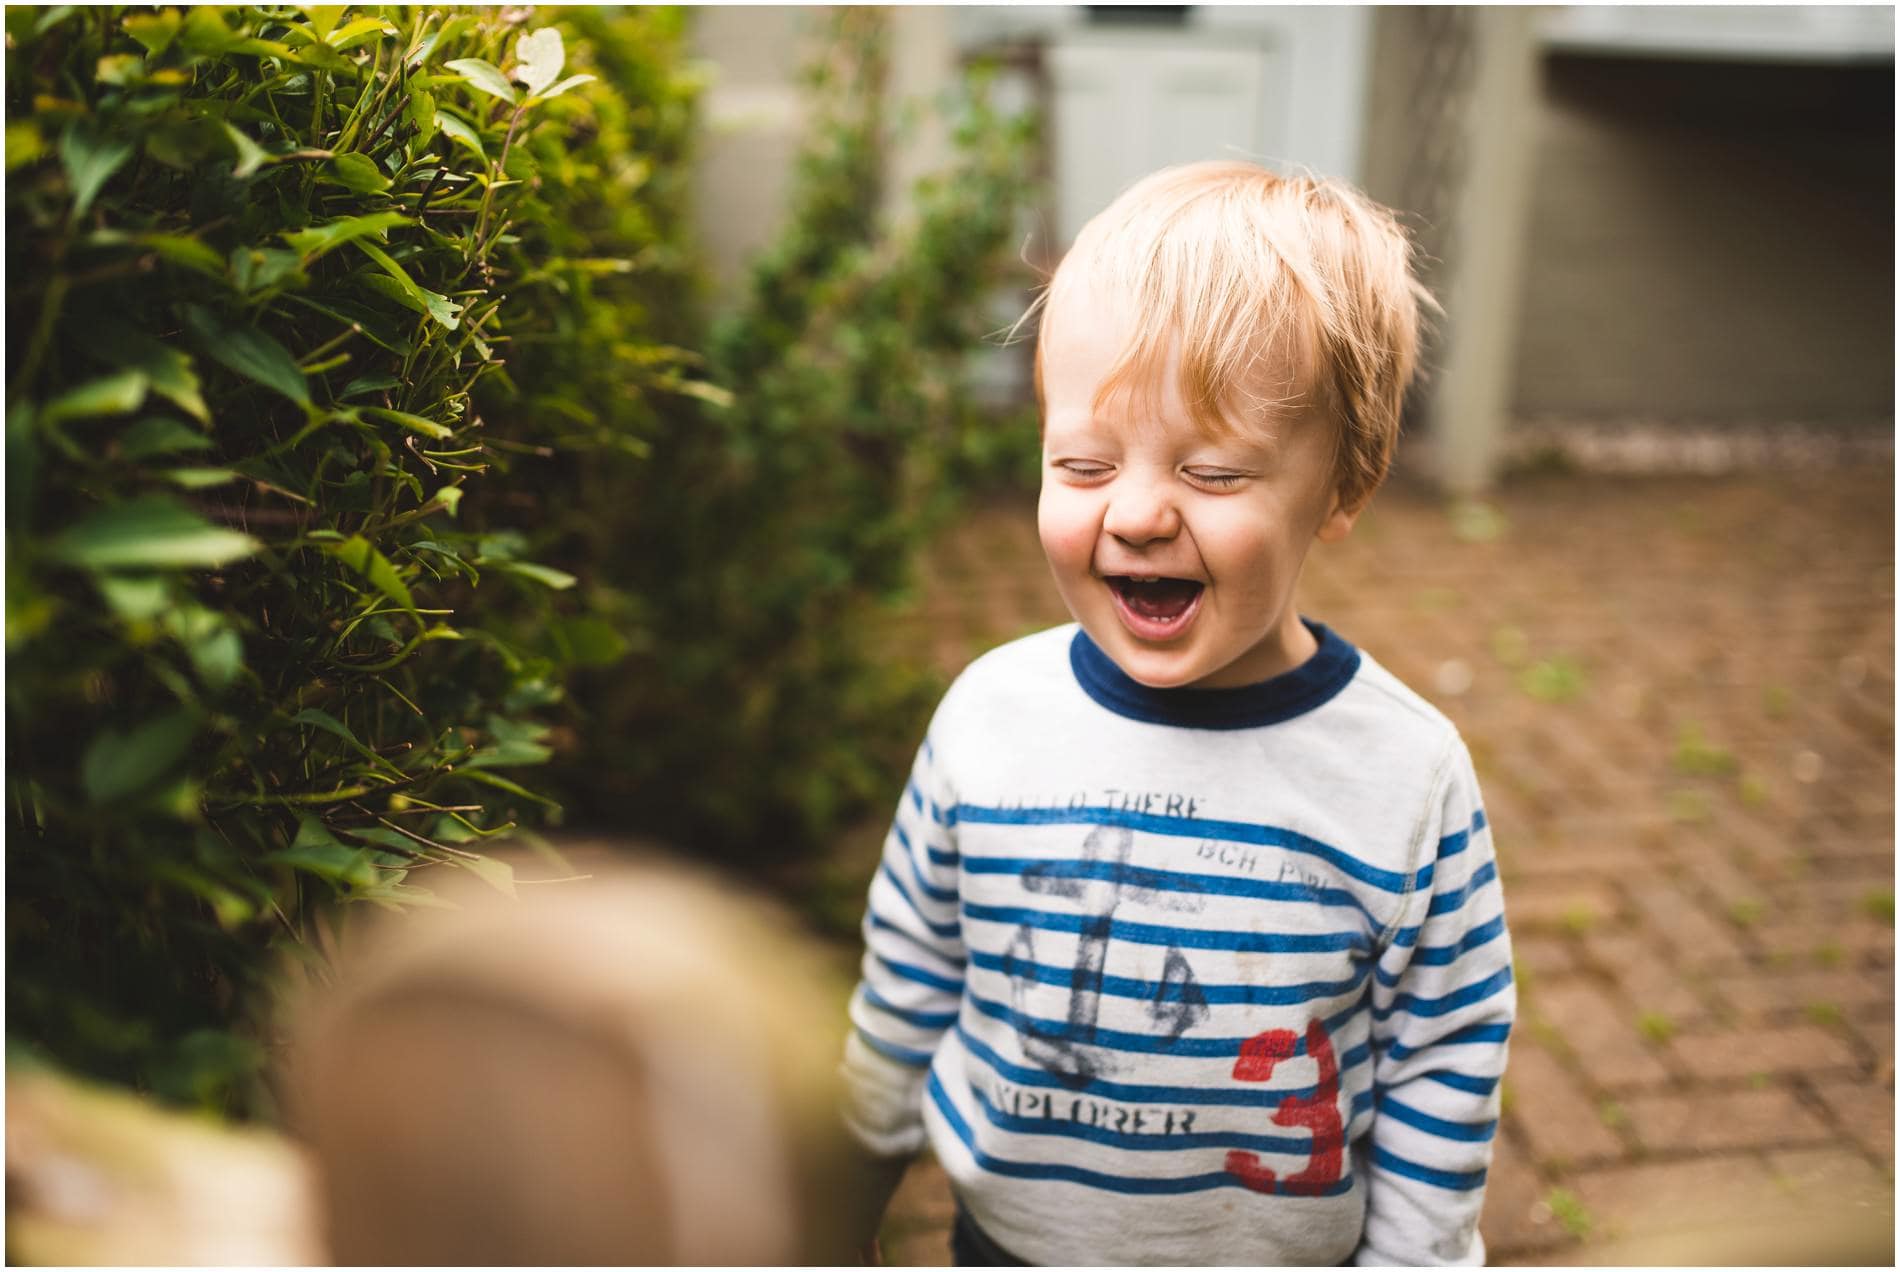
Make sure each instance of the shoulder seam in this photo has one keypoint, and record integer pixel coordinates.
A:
(1420, 828)
(1403, 695)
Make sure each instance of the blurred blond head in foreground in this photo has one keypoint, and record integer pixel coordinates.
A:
(630, 1069)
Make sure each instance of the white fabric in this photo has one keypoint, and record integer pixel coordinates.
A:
(1125, 975)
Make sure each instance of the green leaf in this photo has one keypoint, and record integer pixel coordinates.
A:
(182, 250)
(24, 143)
(318, 239)
(155, 31)
(200, 478)
(216, 652)
(150, 531)
(120, 764)
(160, 435)
(321, 853)
(247, 351)
(498, 875)
(414, 423)
(358, 173)
(398, 897)
(117, 394)
(483, 76)
(231, 908)
(330, 724)
(360, 555)
(250, 155)
(501, 783)
(321, 719)
(204, 30)
(119, 69)
(90, 160)
(460, 130)
(588, 641)
(420, 109)
(418, 298)
(516, 742)
(539, 56)
(255, 268)
(135, 598)
(168, 368)
(324, 58)
(572, 81)
(323, 17)
(545, 575)
(367, 384)
(451, 31)
(43, 20)
(351, 34)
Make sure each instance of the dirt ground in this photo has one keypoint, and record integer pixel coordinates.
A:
(1679, 694)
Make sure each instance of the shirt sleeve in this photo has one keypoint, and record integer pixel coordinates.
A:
(1442, 1006)
(912, 978)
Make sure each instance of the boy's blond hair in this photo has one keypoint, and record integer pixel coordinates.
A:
(1286, 294)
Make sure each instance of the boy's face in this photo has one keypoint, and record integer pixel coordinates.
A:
(1179, 555)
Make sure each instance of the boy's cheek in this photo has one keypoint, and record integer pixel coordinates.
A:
(1067, 531)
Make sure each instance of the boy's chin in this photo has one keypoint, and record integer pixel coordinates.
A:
(1152, 668)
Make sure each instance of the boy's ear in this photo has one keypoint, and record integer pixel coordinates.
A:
(1339, 519)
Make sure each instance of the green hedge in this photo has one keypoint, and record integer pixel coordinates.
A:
(366, 445)
(258, 265)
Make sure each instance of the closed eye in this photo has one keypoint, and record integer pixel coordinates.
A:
(1219, 479)
(1084, 469)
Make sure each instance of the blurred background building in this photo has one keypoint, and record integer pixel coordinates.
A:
(1663, 218)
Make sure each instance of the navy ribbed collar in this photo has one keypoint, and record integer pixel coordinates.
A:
(1289, 694)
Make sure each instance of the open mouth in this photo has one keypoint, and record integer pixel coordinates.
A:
(1155, 608)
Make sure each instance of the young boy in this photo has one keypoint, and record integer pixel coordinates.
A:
(1187, 946)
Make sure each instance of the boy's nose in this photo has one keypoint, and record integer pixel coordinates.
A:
(1141, 512)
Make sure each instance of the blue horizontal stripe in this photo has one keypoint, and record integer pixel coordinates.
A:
(1122, 1040)
(1463, 1082)
(1168, 881)
(912, 973)
(1184, 937)
(890, 1050)
(1168, 991)
(949, 931)
(1464, 1037)
(1455, 1180)
(1241, 1095)
(1072, 1128)
(1173, 1185)
(1443, 955)
(946, 895)
(881, 924)
(1190, 828)
(921, 1019)
(934, 810)
(1496, 983)
(1446, 902)
(1468, 1132)
(1456, 842)
(940, 856)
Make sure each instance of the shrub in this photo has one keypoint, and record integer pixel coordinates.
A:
(257, 266)
(752, 717)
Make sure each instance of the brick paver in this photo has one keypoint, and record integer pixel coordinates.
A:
(1679, 694)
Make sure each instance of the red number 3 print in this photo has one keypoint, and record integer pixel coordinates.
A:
(1318, 1112)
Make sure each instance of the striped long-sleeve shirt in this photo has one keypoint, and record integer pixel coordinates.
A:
(1189, 976)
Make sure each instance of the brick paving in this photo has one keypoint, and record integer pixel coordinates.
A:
(1679, 694)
